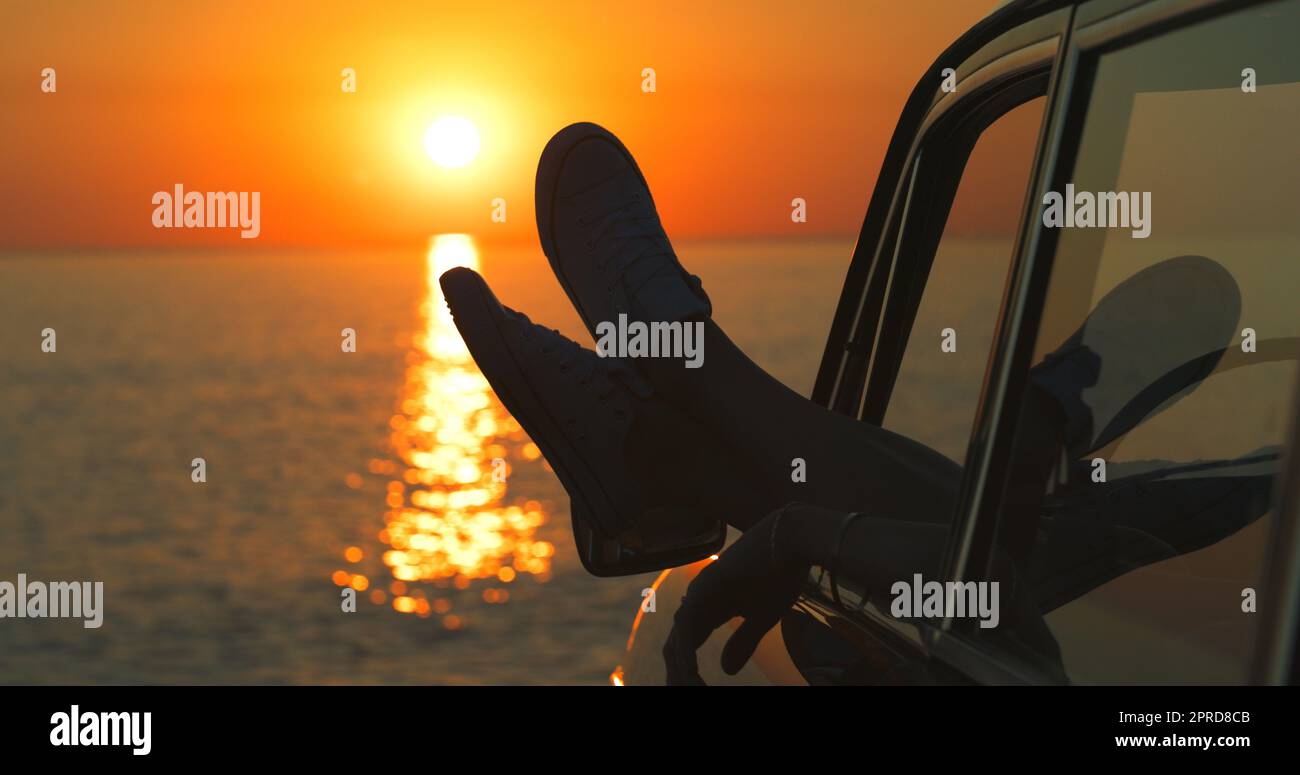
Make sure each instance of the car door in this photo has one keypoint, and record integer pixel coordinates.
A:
(1152, 532)
(1137, 511)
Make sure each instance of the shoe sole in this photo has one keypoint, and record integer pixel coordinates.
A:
(548, 176)
(479, 325)
(1205, 277)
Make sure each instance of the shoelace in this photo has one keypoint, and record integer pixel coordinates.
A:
(634, 224)
(590, 367)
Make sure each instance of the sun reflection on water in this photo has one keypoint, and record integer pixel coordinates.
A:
(447, 521)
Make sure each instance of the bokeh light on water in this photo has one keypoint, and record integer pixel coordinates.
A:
(448, 522)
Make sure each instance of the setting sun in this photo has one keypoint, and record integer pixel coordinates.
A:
(452, 141)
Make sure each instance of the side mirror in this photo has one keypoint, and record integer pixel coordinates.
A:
(608, 556)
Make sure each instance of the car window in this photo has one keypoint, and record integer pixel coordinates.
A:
(940, 375)
(1137, 507)
(937, 388)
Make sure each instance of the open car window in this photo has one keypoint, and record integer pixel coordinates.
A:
(946, 291)
(947, 341)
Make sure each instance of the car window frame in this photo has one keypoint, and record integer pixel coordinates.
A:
(1015, 67)
(848, 350)
(947, 147)
(1277, 647)
(1091, 36)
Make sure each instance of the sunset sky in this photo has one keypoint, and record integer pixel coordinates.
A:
(756, 103)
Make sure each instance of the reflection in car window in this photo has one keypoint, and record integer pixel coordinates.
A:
(935, 395)
(1170, 361)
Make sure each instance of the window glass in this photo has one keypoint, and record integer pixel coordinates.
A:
(1135, 525)
(937, 389)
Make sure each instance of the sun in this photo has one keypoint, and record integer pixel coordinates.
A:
(452, 141)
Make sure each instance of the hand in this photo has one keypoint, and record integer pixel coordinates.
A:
(757, 578)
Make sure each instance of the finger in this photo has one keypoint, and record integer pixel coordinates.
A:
(707, 604)
(681, 667)
(703, 610)
(742, 643)
(693, 623)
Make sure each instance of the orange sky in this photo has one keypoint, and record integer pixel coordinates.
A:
(757, 103)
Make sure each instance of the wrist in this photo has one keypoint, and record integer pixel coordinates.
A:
(803, 536)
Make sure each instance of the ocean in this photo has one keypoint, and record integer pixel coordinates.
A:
(325, 471)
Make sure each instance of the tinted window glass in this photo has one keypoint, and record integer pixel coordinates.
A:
(1138, 506)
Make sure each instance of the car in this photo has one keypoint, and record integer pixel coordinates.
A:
(958, 285)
